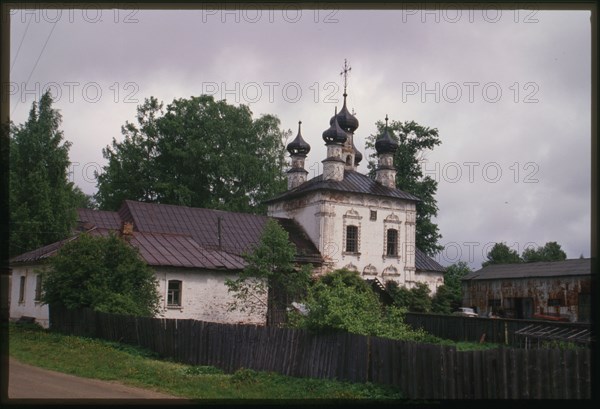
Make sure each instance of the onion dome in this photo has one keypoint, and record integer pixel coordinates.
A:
(347, 121)
(298, 146)
(357, 156)
(385, 143)
(335, 134)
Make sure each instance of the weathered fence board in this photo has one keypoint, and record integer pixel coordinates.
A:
(421, 371)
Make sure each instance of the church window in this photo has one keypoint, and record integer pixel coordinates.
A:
(22, 289)
(38, 288)
(392, 242)
(174, 293)
(351, 239)
(373, 215)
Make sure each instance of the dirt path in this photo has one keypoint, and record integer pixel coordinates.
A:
(30, 382)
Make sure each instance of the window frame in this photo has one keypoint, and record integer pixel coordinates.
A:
(172, 292)
(353, 240)
(22, 284)
(38, 289)
(389, 243)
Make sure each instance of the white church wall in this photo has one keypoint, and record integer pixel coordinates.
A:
(204, 297)
(23, 300)
(325, 216)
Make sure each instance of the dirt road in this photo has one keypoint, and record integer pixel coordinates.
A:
(30, 382)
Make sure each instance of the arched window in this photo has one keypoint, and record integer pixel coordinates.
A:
(174, 293)
(392, 242)
(351, 239)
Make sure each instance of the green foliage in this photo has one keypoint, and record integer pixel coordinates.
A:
(550, 252)
(102, 273)
(41, 198)
(413, 140)
(198, 152)
(501, 254)
(269, 266)
(342, 301)
(448, 296)
(416, 299)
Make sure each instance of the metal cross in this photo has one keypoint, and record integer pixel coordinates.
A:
(345, 72)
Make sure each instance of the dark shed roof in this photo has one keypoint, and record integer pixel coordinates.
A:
(572, 267)
(353, 182)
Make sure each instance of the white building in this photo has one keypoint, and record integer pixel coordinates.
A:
(338, 219)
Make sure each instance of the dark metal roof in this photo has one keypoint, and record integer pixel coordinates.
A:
(425, 263)
(572, 267)
(177, 250)
(99, 218)
(353, 182)
(179, 236)
(235, 233)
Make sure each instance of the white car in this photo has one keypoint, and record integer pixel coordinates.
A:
(465, 312)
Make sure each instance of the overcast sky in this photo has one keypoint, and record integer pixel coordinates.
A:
(509, 92)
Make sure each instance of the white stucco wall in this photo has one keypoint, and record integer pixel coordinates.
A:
(28, 307)
(325, 215)
(204, 297)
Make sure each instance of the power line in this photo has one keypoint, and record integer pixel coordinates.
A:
(36, 63)
(20, 44)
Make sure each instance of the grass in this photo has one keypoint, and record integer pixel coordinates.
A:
(92, 358)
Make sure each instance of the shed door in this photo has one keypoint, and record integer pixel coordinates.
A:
(584, 308)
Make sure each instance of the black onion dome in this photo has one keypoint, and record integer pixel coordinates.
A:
(335, 134)
(385, 143)
(347, 121)
(298, 146)
(357, 157)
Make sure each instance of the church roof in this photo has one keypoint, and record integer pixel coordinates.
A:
(353, 182)
(425, 263)
(181, 236)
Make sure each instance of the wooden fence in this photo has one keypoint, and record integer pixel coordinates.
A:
(421, 371)
(497, 330)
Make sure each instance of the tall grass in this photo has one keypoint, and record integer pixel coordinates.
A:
(133, 366)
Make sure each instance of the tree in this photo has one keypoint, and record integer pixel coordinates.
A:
(102, 273)
(42, 200)
(501, 254)
(416, 299)
(413, 140)
(198, 152)
(271, 280)
(448, 296)
(550, 252)
(342, 301)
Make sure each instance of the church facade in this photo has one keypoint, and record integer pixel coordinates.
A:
(356, 222)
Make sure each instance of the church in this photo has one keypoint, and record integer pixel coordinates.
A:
(339, 219)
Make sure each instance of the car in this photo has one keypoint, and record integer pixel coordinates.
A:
(465, 312)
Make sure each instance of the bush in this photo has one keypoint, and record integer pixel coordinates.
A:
(101, 273)
(342, 301)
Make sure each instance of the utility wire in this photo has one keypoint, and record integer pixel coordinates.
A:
(20, 44)
(35, 65)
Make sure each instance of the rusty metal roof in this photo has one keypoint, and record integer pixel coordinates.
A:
(232, 232)
(180, 236)
(99, 218)
(353, 182)
(178, 250)
(425, 263)
(572, 267)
